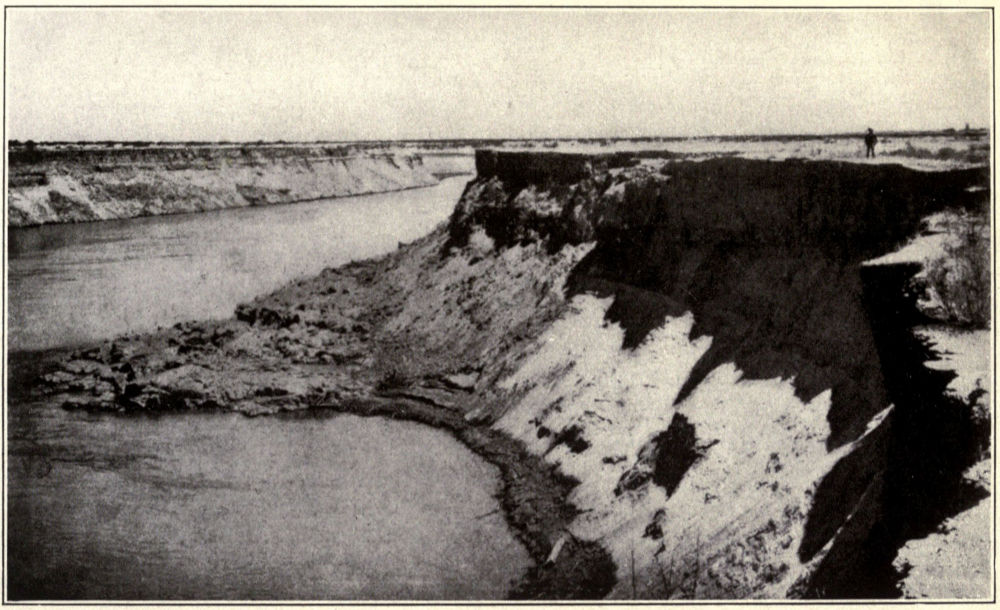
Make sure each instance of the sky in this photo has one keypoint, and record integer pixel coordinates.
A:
(346, 74)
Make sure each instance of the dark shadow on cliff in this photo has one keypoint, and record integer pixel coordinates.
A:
(932, 439)
(766, 256)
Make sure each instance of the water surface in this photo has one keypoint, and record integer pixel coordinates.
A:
(221, 506)
(73, 283)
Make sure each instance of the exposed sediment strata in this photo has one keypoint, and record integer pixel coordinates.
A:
(729, 404)
(86, 185)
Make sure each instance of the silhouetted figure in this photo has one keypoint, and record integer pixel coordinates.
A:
(870, 141)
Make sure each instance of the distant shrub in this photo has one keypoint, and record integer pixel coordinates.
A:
(394, 365)
(961, 279)
(393, 378)
(973, 154)
(946, 152)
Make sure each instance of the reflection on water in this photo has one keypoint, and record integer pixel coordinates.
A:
(81, 282)
(220, 506)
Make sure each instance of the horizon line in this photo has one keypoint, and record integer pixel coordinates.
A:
(888, 132)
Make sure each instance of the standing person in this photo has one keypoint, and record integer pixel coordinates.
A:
(870, 141)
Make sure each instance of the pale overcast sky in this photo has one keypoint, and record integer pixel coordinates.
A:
(243, 74)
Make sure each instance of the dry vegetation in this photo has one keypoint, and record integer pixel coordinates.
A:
(961, 279)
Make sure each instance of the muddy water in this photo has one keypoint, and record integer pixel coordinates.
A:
(219, 506)
(75, 283)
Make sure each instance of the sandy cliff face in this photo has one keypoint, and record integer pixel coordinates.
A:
(737, 399)
(735, 406)
(79, 186)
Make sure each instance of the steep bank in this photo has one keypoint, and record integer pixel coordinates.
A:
(679, 364)
(69, 185)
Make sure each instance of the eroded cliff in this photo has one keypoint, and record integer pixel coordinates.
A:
(692, 385)
(86, 185)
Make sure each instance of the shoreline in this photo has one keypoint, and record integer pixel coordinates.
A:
(72, 186)
(226, 209)
(533, 499)
(532, 495)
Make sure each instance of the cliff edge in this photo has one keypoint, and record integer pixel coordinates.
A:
(692, 384)
(47, 186)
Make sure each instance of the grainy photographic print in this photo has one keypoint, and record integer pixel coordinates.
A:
(483, 304)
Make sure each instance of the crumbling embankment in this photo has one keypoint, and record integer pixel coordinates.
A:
(86, 185)
(763, 259)
(690, 349)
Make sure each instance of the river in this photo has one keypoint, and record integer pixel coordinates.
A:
(74, 283)
(219, 506)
